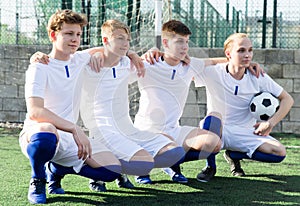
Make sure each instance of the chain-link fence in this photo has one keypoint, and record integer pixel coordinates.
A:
(270, 23)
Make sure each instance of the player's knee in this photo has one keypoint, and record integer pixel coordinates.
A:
(282, 151)
(218, 147)
(47, 127)
(213, 123)
(215, 114)
(42, 142)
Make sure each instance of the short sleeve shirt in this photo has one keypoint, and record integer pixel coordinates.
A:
(57, 84)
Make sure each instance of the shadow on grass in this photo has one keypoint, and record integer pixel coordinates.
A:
(275, 190)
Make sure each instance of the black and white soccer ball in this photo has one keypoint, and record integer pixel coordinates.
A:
(263, 106)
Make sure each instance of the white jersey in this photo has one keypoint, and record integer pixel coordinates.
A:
(104, 110)
(231, 97)
(164, 91)
(57, 84)
(104, 100)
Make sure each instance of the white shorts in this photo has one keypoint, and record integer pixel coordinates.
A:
(241, 139)
(67, 150)
(124, 146)
(179, 133)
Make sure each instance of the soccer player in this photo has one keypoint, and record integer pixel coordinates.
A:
(50, 134)
(164, 91)
(105, 109)
(229, 90)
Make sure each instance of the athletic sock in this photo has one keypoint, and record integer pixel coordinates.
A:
(107, 174)
(138, 168)
(257, 155)
(237, 155)
(41, 149)
(171, 157)
(265, 157)
(211, 160)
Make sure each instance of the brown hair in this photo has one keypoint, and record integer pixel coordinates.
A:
(228, 42)
(65, 16)
(173, 27)
(111, 25)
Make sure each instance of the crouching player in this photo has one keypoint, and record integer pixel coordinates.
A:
(50, 134)
(105, 109)
(229, 90)
(164, 91)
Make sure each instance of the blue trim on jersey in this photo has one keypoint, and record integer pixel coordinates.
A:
(173, 74)
(114, 72)
(236, 90)
(67, 71)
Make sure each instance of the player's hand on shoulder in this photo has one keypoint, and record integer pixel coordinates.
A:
(136, 62)
(83, 143)
(97, 61)
(152, 55)
(39, 57)
(263, 128)
(256, 69)
(186, 60)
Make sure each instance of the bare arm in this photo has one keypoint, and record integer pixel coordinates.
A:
(38, 113)
(213, 61)
(286, 103)
(136, 62)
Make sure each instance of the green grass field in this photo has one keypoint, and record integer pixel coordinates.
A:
(265, 184)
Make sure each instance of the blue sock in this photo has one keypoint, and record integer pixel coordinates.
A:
(213, 124)
(138, 168)
(192, 155)
(176, 168)
(265, 157)
(107, 174)
(169, 158)
(40, 150)
(211, 160)
(237, 155)
(257, 155)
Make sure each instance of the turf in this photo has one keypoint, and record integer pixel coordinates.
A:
(265, 184)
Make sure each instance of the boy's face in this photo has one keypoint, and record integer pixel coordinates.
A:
(118, 42)
(241, 52)
(177, 47)
(67, 40)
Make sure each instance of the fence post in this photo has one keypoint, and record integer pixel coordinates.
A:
(274, 24)
(264, 26)
(17, 28)
(158, 13)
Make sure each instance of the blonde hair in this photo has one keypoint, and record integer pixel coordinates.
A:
(65, 16)
(228, 42)
(173, 27)
(110, 26)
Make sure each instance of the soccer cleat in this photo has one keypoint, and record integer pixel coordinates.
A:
(143, 179)
(37, 191)
(54, 181)
(124, 182)
(235, 165)
(206, 174)
(97, 186)
(180, 178)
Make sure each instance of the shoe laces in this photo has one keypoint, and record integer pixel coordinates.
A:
(96, 183)
(123, 178)
(39, 185)
(207, 170)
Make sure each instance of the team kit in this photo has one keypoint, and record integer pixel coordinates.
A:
(243, 106)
